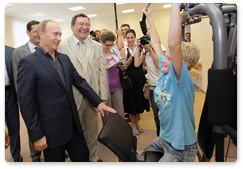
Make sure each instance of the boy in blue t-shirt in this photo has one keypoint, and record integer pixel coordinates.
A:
(174, 93)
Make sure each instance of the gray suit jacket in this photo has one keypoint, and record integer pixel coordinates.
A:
(96, 66)
(18, 54)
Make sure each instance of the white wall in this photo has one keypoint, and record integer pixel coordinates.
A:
(202, 37)
(8, 31)
(66, 30)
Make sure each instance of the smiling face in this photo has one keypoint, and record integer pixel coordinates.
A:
(130, 37)
(188, 36)
(124, 29)
(166, 63)
(81, 28)
(50, 37)
(107, 46)
(33, 35)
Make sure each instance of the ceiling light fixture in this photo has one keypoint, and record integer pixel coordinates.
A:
(167, 6)
(59, 20)
(9, 5)
(37, 14)
(76, 8)
(128, 10)
(92, 15)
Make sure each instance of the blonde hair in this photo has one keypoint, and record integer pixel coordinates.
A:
(190, 53)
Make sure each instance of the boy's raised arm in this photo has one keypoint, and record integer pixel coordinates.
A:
(174, 40)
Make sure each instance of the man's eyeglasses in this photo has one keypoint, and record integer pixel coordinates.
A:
(109, 45)
(82, 24)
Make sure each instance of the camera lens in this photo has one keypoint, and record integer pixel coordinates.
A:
(144, 40)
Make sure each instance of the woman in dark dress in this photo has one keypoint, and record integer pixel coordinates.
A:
(134, 101)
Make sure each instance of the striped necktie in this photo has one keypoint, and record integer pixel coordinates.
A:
(83, 60)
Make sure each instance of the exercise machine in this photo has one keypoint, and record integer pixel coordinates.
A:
(219, 115)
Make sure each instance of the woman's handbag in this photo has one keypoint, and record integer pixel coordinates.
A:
(146, 91)
(125, 80)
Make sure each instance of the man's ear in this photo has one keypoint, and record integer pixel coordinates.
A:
(71, 26)
(28, 33)
(187, 64)
(40, 33)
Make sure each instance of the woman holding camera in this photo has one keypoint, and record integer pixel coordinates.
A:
(153, 71)
(133, 99)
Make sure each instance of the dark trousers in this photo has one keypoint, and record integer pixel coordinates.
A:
(77, 150)
(12, 121)
(156, 111)
(33, 152)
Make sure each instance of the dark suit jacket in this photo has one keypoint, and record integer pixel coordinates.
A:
(8, 63)
(186, 40)
(48, 108)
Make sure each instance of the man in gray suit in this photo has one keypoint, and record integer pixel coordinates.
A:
(88, 59)
(18, 54)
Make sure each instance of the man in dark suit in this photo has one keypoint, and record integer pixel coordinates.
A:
(11, 107)
(188, 37)
(45, 80)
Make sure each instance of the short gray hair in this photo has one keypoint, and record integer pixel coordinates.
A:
(42, 26)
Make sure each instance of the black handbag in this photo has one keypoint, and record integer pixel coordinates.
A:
(125, 80)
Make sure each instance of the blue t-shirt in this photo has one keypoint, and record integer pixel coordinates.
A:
(175, 102)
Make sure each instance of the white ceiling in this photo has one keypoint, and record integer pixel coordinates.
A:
(56, 11)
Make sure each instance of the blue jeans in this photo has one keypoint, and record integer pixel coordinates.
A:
(170, 154)
(155, 110)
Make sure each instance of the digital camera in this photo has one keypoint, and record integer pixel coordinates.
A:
(144, 40)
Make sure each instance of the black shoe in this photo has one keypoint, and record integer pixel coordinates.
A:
(36, 160)
(99, 160)
(18, 159)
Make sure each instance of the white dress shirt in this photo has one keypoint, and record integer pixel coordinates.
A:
(32, 47)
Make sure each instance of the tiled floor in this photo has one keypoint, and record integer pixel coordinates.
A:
(146, 122)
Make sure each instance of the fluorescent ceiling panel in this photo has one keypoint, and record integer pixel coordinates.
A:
(167, 6)
(59, 20)
(9, 5)
(76, 8)
(92, 15)
(128, 10)
(37, 14)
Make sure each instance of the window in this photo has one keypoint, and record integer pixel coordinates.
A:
(19, 33)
